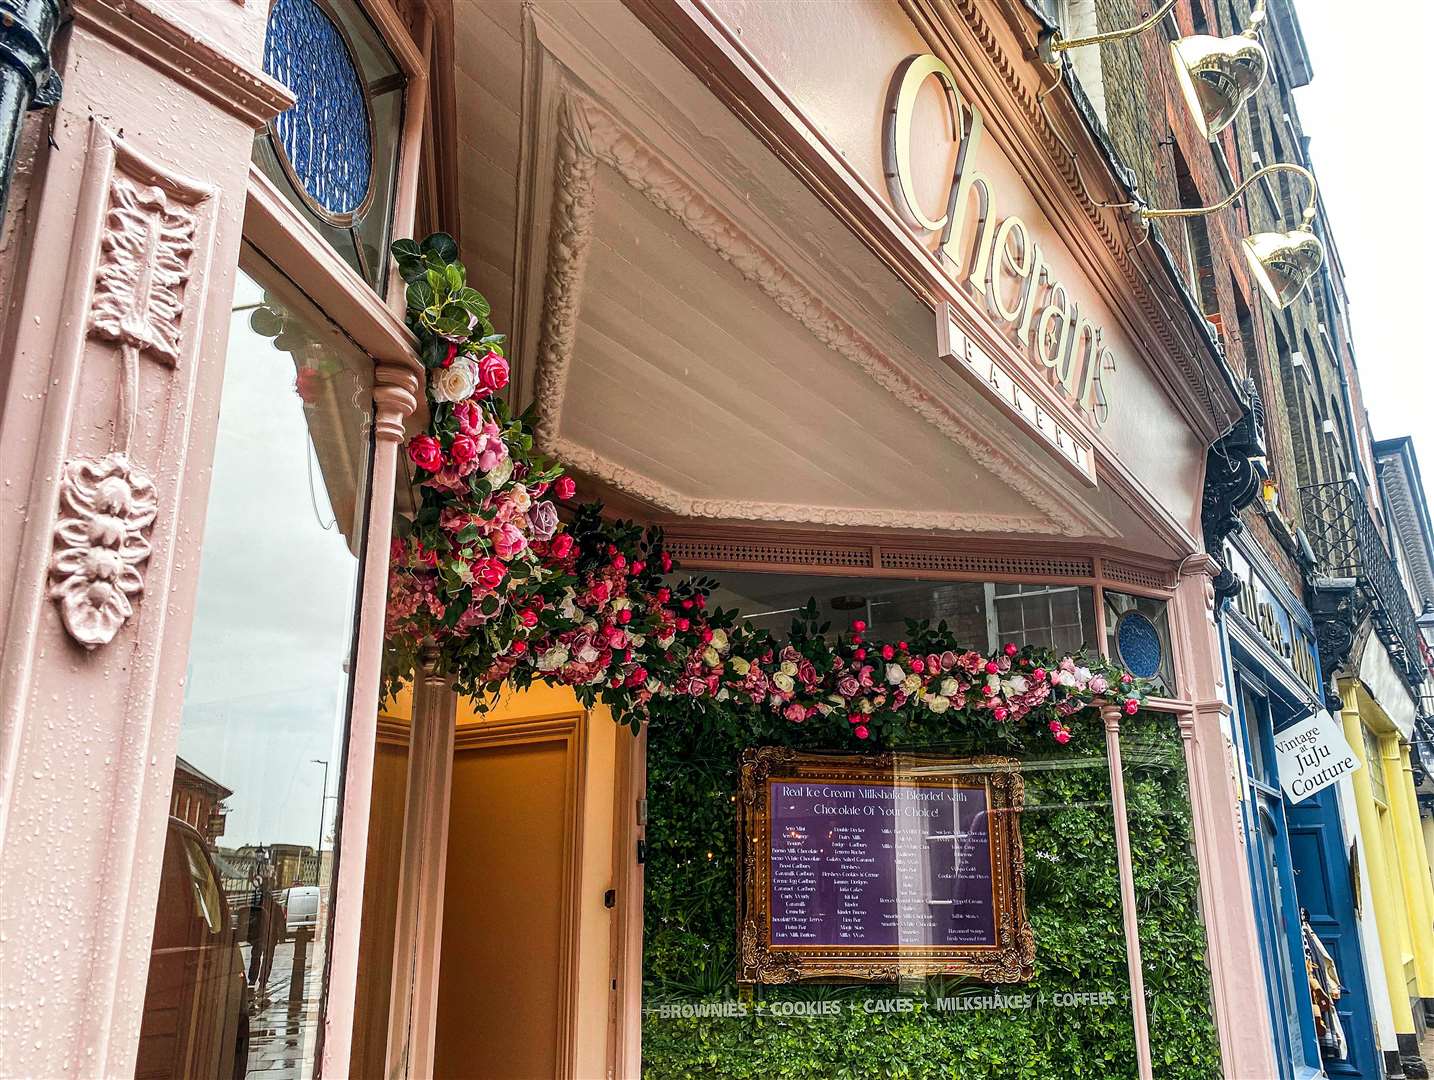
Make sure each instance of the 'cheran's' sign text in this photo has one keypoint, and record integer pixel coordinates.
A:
(1007, 268)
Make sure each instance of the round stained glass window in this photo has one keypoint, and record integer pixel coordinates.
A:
(1139, 645)
(325, 141)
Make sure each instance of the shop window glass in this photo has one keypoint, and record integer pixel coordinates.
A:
(1137, 635)
(241, 925)
(1374, 761)
(334, 154)
(982, 616)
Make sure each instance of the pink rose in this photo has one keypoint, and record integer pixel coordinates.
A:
(426, 452)
(795, 713)
(848, 687)
(509, 541)
(488, 572)
(1097, 684)
(562, 544)
(464, 449)
(564, 487)
(1063, 736)
(469, 417)
(861, 731)
(493, 371)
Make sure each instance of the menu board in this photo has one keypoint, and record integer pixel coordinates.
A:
(880, 866)
(858, 865)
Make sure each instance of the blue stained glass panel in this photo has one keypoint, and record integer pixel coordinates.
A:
(1139, 643)
(326, 136)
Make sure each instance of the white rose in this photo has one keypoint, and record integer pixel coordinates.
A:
(710, 657)
(788, 668)
(499, 473)
(740, 666)
(894, 674)
(553, 659)
(938, 704)
(783, 682)
(950, 688)
(719, 640)
(456, 382)
(1018, 684)
(911, 684)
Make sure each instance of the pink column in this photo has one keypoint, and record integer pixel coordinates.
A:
(1110, 717)
(118, 336)
(1236, 977)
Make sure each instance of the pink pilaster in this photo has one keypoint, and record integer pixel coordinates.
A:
(119, 332)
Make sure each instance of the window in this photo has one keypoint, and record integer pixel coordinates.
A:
(1137, 635)
(236, 986)
(1374, 762)
(335, 153)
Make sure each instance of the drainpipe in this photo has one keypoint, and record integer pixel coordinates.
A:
(27, 81)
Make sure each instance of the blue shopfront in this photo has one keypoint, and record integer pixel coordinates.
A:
(1299, 856)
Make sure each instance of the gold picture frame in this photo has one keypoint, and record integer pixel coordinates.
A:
(1008, 958)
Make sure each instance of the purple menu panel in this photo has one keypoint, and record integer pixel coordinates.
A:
(863, 864)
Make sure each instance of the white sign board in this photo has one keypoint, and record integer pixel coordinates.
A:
(1312, 755)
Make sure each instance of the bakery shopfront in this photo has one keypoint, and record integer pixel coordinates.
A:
(816, 293)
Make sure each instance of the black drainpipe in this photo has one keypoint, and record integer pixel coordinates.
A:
(27, 81)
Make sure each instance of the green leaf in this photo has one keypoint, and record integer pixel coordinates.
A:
(442, 245)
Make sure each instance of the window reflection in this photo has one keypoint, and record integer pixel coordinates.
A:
(982, 616)
(236, 969)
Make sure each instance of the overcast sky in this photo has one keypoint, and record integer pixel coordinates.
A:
(1367, 116)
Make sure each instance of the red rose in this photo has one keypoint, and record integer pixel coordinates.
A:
(464, 449)
(426, 452)
(624, 616)
(666, 563)
(452, 352)
(664, 594)
(493, 371)
(519, 648)
(991, 667)
(489, 572)
(529, 618)
(562, 544)
(887, 652)
(859, 625)
(861, 731)
(564, 487)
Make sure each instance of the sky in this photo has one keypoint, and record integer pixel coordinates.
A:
(1366, 113)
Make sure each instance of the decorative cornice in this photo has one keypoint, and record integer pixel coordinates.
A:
(140, 31)
(588, 134)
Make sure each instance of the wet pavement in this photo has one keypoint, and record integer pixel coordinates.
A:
(284, 1021)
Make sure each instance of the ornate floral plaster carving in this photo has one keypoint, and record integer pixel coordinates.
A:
(108, 504)
(107, 507)
(587, 134)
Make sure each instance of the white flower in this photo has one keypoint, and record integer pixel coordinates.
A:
(719, 640)
(911, 683)
(521, 500)
(710, 657)
(1082, 675)
(586, 653)
(456, 382)
(937, 703)
(950, 688)
(894, 674)
(553, 659)
(788, 668)
(499, 473)
(568, 607)
(723, 694)
(783, 682)
(1017, 684)
(740, 666)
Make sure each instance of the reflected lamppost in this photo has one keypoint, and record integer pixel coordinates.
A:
(323, 802)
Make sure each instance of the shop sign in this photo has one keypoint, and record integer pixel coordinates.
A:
(1268, 617)
(1006, 270)
(997, 381)
(1312, 755)
(874, 867)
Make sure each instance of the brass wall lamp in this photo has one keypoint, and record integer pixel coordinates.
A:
(1216, 74)
(1282, 263)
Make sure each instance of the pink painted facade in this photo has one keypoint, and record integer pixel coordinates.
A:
(734, 151)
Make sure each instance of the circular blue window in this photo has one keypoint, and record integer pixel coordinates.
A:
(1138, 642)
(325, 141)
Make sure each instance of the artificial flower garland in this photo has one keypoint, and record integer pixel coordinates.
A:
(490, 577)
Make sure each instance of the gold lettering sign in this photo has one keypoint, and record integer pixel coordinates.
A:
(999, 262)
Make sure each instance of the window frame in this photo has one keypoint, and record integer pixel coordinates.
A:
(276, 232)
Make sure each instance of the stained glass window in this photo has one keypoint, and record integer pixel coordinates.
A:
(1137, 632)
(335, 152)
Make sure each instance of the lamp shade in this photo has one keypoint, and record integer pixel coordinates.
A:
(1283, 262)
(1217, 75)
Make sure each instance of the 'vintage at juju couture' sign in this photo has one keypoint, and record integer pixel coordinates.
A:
(1006, 267)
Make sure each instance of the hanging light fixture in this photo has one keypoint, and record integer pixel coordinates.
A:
(1216, 74)
(1281, 263)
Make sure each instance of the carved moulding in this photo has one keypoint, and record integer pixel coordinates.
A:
(108, 504)
(588, 134)
(1011, 959)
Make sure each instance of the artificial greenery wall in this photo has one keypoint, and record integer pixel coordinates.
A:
(1072, 894)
